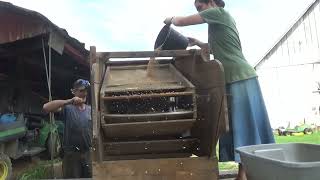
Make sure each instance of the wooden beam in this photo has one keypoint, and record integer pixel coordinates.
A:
(31, 45)
(76, 54)
(147, 54)
(57, 71)
(137, 62)
(21, 47)
(3, 76)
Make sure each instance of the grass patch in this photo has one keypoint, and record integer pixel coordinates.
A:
(310, 139)
(41, 171)
(228, 166)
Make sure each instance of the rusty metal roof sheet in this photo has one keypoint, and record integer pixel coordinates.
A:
(19, 23)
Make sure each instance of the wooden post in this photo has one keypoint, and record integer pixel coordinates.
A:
(95, 81)
(92, 59)
(205, 52)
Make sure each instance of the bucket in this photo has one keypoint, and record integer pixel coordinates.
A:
(170, 39)
(293, 161)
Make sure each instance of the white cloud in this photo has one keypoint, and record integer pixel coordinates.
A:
(134, 24)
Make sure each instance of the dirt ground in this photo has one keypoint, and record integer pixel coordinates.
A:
(23, 164)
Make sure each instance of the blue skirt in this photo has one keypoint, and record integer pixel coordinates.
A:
(248, 119)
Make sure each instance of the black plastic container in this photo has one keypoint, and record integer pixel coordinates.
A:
(170, 39)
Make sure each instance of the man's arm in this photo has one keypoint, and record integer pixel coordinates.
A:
(56, 105)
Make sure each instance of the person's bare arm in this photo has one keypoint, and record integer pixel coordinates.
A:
(56, 105)
(185, 20)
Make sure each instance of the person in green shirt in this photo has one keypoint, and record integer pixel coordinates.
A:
(248, 117)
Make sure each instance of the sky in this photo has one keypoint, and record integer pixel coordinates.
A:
(133, 25)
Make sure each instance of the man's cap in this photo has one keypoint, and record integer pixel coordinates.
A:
(81, 84)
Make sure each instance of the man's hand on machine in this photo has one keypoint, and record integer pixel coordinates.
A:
(195, 42)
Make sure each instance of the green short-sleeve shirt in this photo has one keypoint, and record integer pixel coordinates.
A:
(225, 45)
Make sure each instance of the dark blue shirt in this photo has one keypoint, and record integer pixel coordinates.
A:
(78, 127)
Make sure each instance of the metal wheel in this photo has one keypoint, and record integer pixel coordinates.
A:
(5, 167)
(308, 131)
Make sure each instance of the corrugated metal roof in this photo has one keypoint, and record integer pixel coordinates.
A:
(19, 23)
(288, 33)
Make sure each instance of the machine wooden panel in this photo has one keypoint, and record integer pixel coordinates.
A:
(135, 78)
(212, 110)
(148, 96)
(143, 129)
(127, 118)
(153, 147)
(133, 117)
(157, 169)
